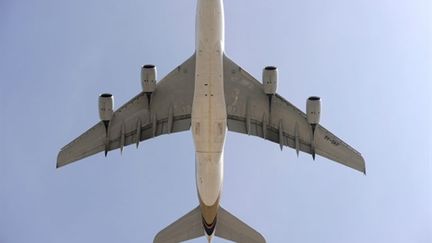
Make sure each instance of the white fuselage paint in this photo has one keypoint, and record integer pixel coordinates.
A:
(209, 119)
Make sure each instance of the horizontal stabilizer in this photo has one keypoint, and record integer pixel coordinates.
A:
(231, 228)
(186, 228)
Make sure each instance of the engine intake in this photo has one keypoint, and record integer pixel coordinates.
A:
(106, 105)
(313, 110)
(270, 79)
(148, 78)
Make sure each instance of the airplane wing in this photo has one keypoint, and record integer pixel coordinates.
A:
(248, 111)
(168, 112)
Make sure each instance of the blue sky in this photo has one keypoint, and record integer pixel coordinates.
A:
(370, 61)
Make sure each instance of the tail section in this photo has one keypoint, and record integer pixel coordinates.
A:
(231, 228)
(186, 228)
(192, 226)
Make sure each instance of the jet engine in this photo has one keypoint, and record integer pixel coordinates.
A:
(106, 104)
(148, 78)
(313, 110)
(270, 78)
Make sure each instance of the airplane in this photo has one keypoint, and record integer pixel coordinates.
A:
(209, 94)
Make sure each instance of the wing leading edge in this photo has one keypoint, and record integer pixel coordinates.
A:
(249, 112)
(169, 111)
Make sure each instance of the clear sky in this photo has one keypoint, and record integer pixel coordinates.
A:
(369, 60)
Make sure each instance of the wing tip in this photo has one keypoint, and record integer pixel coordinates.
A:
(60, 160)
(58, 163)
(364, 171)
(363, 165)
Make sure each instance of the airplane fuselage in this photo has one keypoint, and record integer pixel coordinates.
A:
(209, 117)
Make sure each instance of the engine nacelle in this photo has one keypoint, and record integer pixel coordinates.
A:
(106, 105)
(313, 110)
(270, 78)
(148, 78)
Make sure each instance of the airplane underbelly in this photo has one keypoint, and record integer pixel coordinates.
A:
(209, 123)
